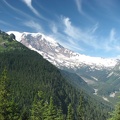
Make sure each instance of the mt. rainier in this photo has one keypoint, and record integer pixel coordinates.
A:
(99, 73)
(58, 55)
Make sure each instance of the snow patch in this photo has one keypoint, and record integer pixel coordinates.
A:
(88, 81)
(113, 94)
(106, 99)
(17, 35)
(110, 74)
(95, 93)
(94, 78)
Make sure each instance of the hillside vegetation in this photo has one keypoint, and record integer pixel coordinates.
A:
(33, 89)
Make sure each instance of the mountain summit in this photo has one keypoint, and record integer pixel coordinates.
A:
(33, 86)
(99, 73)
(58, 55)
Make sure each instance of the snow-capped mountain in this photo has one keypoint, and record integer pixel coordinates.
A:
(58, 55)
(99, 73)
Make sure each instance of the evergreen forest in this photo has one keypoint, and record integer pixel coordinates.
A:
(31, 88)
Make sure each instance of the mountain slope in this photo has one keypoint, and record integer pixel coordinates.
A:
(93, 70)
(58, 55)
(77, 81)
(29, 73)
(111, 86)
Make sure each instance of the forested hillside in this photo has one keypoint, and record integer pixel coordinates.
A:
(33, 89)
(77, 81)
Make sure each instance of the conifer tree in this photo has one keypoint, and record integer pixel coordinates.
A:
(60, 114)
(4, 106)
(38, 107)
(8, 109)
(116, 113)
(24, 114)
(70, 114)
(51, 111)
(80, 109)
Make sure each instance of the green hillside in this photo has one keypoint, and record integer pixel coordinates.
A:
(33, 89)
(77, 81)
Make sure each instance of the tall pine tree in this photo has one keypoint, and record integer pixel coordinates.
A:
(51, 112)
(38, 107)
(8, 109)
(70, 113)
(60, 115)
(116, 113)
(80, 109)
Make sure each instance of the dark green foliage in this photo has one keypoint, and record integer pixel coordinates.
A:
(77, 81)
(70, 113)
(60, 115)
(3, 96)
(29, 73)
(8, 109)
(6, 37)
(51, 111)
(116, 114)
(45, 110)
(80, 110)
(12, 36)
(38, 107)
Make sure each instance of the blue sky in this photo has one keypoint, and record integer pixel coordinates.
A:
(90, 27)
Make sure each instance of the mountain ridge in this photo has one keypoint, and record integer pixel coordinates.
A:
(59, 55)
(95, 71)
(28, 73)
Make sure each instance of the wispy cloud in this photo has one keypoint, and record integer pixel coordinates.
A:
(78, 34)
(112, 35)
(112, 41)
(3, 22)
(53, 27)
(69, 35)
(29, 4)
(34, 25)
(25, 15)
(79, 39)
(105, 43)
(28, 20)
(69, 29)
(79, 6)
(19, 12)
(94, 28)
